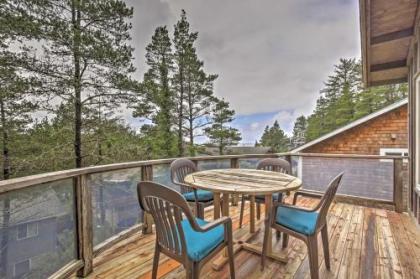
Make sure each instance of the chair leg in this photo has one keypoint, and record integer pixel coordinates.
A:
(155, 261)
(313, 256)
(258, 211)
(267, 229)
(189, 271)
(278, 235)
(285, 240)
(241, 215)
(231, 260)
(200, 211)
(195, 271)
(324, 234)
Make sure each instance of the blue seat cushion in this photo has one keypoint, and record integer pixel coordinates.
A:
(276, 197)
(297, 220)
(200, 244)
(202, 195)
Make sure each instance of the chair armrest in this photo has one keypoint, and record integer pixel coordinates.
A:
(297, 207)
(305, 194)
(224, 220)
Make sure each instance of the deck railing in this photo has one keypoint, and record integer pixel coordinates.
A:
(55, 223)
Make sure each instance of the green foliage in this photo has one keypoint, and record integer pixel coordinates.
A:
(176, 94)
(158, 103)
(275, 138)
(85, 58)
(219, 132)
(343, 99)
(193, 86)
(299, 132)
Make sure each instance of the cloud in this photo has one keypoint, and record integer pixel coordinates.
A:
(271, 56)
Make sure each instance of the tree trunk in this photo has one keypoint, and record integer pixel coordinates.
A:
(77, 84)
(181, 114)
(191, 120)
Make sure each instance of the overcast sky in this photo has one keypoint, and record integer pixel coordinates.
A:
(271, 56)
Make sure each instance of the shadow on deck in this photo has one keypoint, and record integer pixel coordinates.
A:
(364, 243)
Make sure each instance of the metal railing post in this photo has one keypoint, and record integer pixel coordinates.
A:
(84, 224)
(398, 185)
(147, 175)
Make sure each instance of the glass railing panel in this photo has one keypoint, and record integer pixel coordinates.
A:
(248, 163)
(214, 164)
(37, 230)
(369, 178)
(162, 175)
(114, 202)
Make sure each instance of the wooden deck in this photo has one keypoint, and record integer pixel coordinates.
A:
(364, 243)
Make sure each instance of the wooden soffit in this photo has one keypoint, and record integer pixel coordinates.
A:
(387, 28)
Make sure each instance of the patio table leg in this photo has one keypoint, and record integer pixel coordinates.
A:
(225, 212)
(252, 214)
(258, 248)
(216, 205)
(268, 206)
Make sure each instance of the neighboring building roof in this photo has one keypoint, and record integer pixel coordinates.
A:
(352, 124)
(387, 30)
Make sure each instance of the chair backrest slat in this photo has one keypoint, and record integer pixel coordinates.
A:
(180, 168)
(167, 208)
(274, 164)
(172, 225)
(327, 199)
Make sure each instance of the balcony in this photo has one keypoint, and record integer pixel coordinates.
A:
(88, 222)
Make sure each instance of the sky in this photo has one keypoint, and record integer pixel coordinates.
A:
(271, 56)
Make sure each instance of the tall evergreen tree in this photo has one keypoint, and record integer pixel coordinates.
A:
(344, 100)
(85, 55)
(183, 41)
(159, 104)
(219, 132)
(299, 132)
(200, 100)
(194, 88)
(275, 138)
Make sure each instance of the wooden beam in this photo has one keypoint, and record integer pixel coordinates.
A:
(365, 34)
(392, 36)
(68, 270)
(388, 65)
(84, 224)
(389, 81)
(398, 185)
(147, 175)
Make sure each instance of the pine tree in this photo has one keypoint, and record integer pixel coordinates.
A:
(159, 104)
(183, 41)
(85, 56)
(219, 132)
(299, 132)
(275, 138)
(193, 86)
(339, 92)
(344, 100)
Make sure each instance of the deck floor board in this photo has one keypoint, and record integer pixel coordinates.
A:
(364, 243)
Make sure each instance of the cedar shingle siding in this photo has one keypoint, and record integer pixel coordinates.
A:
(369, 137)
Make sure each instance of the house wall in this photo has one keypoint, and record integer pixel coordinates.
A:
(369, 137)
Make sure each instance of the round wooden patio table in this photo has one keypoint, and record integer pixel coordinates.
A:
(226, 182)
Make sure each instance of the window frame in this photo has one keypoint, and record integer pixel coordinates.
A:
(27, 231)
(29, 260)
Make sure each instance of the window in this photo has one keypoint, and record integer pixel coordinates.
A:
(393, 151)
(27, 230)
(22, 268)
